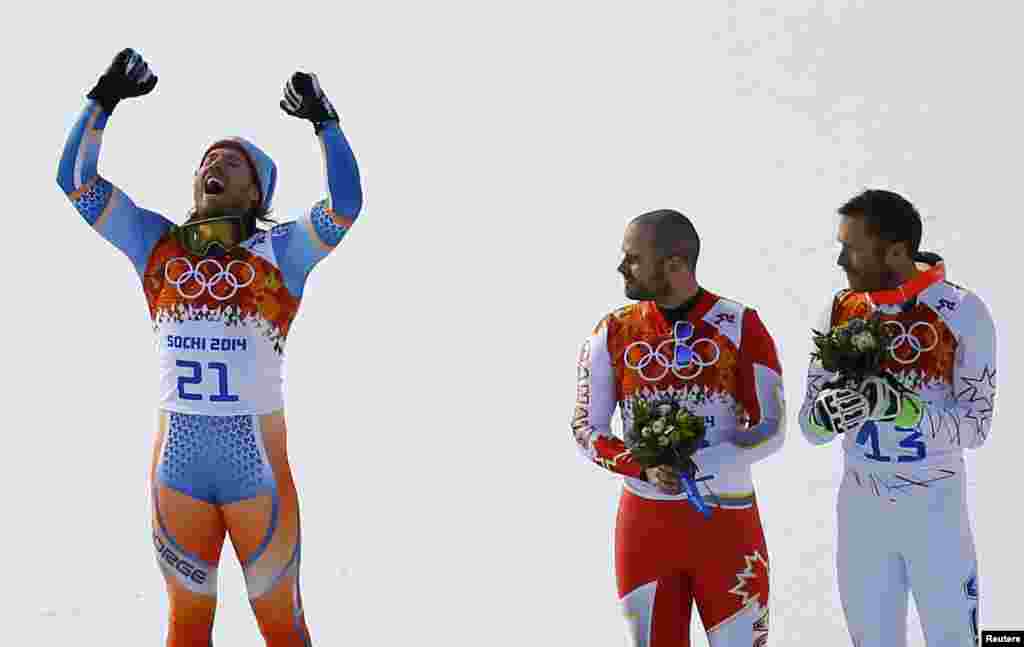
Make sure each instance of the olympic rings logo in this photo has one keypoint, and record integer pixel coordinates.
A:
(684, 362)
(905, 336)
(207, 281)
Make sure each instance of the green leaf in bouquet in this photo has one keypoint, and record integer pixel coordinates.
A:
(854, 349)
(641, 409)
(640, 423)
(677, 435)
(691, 425)
(674, 436)
(674, 432)
(647, 456)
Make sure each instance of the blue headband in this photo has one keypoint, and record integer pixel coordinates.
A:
(266, 170)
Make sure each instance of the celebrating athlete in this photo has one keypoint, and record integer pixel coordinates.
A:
(222, 293)
(667, 554)
(902, 512)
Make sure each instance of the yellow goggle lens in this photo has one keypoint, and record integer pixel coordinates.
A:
(200, 236)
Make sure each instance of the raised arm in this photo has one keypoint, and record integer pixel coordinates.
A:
(595, 403)
(763, 398)
(300, 245)
(103, 206)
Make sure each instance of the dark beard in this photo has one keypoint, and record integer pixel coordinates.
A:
(890, 280)
(875, 281)
(881, 276)
(642, 292)
(638, 293)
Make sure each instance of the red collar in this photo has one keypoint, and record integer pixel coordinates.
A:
(915, 286)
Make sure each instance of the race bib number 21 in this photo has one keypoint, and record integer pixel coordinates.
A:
(197, 373)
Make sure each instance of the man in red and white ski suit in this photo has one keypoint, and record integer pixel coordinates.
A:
(667, 554)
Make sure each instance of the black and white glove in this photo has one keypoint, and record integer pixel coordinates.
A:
(883, 399)
(841, 410)
(128, 76)
(304, 99)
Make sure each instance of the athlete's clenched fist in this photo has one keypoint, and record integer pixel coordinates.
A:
(303, 98)
(128, 76)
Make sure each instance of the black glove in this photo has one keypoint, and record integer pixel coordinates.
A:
(128, 76)
(840, 410)
(304, 99)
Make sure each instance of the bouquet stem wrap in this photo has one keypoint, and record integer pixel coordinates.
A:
(693, 493)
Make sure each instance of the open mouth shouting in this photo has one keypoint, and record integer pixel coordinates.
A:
(213, 185)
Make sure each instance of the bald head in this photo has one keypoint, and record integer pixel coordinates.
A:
(672, 234)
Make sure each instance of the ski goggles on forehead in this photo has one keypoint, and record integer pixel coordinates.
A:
(201, 236)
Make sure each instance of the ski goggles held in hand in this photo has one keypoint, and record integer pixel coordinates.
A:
(202, 237)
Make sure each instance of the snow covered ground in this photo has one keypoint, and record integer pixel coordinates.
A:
(431, 367)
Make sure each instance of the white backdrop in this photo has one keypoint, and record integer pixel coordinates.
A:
(431, 367)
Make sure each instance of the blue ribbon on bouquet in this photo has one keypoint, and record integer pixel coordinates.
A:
(693, 494)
